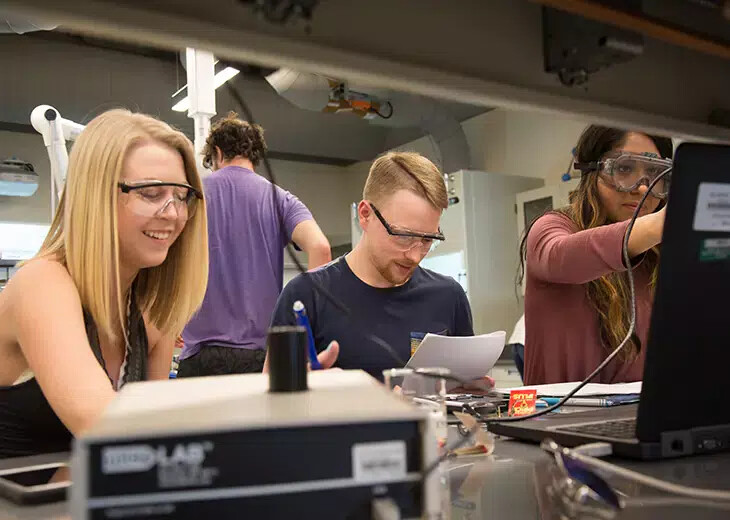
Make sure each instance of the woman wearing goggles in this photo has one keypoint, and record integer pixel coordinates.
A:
(577, 299)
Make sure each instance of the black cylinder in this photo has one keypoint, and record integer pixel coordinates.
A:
(287, 359)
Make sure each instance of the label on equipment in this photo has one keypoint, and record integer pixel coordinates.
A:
(181, 465)
(379, 461)
(713, 207)
(714, 249)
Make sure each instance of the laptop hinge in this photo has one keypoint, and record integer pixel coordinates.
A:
(705, 439)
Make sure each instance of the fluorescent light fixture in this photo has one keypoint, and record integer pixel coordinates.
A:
(220, 77)
(223, 76)
(17, 178)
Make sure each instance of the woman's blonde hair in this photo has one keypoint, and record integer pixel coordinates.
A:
(84, 232)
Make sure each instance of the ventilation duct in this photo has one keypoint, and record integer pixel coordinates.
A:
(378, 107)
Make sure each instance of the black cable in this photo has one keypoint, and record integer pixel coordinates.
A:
(390, 114)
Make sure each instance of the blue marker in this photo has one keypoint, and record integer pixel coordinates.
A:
(303, 321)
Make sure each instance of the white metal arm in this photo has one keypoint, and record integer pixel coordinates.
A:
(55, 131)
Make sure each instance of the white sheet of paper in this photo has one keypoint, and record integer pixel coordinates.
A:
(468, 357)
(561, 389)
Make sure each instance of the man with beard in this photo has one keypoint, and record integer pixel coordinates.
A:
(380, 281)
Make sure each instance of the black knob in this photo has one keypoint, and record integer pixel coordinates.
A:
(287, 352)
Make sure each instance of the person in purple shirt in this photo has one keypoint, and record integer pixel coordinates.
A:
(246, 240)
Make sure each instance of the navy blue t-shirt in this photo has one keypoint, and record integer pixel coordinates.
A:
(428, 302)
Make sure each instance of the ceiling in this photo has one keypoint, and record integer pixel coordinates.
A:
(83, 76)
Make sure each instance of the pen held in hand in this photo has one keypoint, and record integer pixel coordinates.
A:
(300, 314)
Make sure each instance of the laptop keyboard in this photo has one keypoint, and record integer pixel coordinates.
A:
(617, 429)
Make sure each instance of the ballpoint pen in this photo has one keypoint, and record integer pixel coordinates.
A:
(591, 401)
(301, 316)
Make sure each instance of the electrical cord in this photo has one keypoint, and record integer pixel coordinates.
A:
(632, 324)
(644, 502)
(646, 480)
(390, 114)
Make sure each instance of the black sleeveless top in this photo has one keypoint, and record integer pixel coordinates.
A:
(28, 424)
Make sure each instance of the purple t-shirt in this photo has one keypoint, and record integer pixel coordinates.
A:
(246, 245)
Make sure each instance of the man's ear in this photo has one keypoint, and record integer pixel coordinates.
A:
(364, 212)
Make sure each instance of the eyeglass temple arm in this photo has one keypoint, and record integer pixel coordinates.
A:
(586, 167)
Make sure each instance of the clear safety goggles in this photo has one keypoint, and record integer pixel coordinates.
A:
(627, 171)
(151, 198)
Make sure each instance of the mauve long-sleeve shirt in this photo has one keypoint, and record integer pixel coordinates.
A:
(562, 340)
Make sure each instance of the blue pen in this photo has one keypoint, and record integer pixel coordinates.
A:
(594, 401)
(301, 315)
(546, 402)
(549, 401)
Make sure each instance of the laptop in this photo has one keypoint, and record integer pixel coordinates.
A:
(685, 399)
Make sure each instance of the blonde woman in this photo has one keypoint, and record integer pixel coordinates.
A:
(123, 268)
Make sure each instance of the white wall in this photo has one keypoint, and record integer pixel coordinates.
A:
(539, 145)
(37, 207)
(511, 143)
(326, 190)
(522, 143)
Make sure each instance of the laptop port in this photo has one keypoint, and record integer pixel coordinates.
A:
(675, 444)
